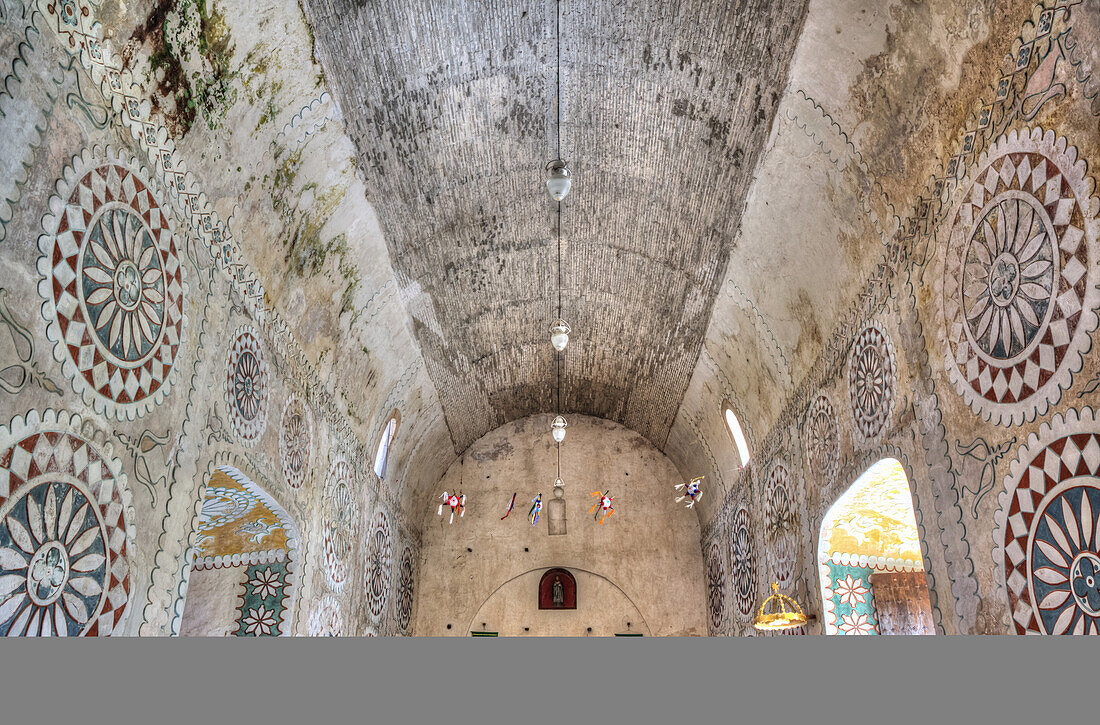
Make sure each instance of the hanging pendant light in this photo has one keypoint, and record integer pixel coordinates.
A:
(558, 428)
(559, 335)
(559, 487)
(784, 614)
(558, 180)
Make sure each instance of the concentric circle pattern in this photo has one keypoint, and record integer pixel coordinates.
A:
(1019, 291)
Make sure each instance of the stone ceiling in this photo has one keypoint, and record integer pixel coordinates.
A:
(665, 109)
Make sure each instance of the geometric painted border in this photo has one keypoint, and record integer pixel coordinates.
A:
(298, 447)
(72, 455)
(1065, 448)
(117, 387)
(293, 550)
(717, 584)
(872, 345)
(878, 563)
(1044, 169)
(247, 385)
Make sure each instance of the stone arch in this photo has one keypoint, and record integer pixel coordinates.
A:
(870, 533)
(251, 547)
(536, 574)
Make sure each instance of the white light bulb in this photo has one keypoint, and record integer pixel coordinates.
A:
(559, 180)
(559, 335)
(557, 428)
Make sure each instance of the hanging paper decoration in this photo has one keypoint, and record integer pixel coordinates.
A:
(603, 505)
(454, 501)
(510, 507)
(691, 491)
(536, 508)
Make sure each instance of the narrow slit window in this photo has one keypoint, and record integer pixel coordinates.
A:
(738, 436)
(383, 454)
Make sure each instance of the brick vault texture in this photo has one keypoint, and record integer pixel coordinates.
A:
(665, 108)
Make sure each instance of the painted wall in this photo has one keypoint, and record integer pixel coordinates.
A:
(646, 553)
(938, 159)
(184, 287)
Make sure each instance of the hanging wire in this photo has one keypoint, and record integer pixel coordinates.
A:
(557, 110)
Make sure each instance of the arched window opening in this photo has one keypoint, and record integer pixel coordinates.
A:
(869, 558)
(382, 455)
(738, 436)
(243, 572)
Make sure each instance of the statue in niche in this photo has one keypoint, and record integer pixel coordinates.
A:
(557, 590)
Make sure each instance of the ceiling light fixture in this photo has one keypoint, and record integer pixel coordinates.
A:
(558, 428)
(559, 335)
(558, 180)
(558, 184)
(785, 612)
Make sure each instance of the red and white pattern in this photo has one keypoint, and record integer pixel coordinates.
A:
(822, 439)
(781, 534)
(1019, 285)
(379, 565)
(326, 620)
(295, 441)
(47, 449)
(406, 581)
(339, 525)
(716, 587)
(113, 285)
(743, 564)
(1048, 528)
(246, 385)
(872, 381)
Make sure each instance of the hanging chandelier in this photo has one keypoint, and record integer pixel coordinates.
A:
(784, 613)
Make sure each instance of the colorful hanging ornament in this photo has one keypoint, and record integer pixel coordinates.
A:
(454, 501)
(691, 491)
(536, 509)
(510, 507)
(603, 505)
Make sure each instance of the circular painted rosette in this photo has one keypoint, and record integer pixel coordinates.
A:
(743, 564)
(113, 284)
(326, 619)
(1018, 292)
(295, 441)
(1048, 529)
(822, 439)
(65, 530)
(246, 385)
(872, 381)
(379, 565)
(406, 587)
(716, 587)
(781, 535)
(339, 525)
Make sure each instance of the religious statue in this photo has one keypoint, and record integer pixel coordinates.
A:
(557, 595)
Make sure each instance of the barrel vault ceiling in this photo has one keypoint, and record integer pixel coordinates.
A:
(665, 109)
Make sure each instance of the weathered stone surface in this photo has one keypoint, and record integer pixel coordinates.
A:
(664, 110)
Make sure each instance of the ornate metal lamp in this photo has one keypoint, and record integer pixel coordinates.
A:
(784, 614)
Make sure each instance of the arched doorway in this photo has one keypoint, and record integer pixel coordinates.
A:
(593, 605)
(869, 558)
(244, 576)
